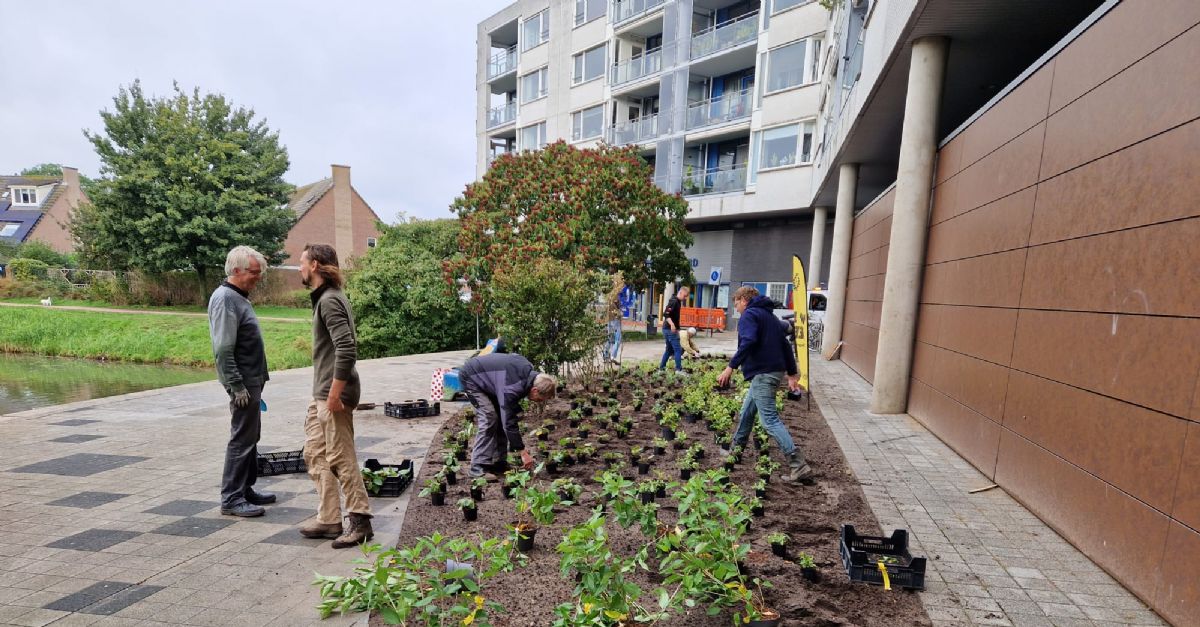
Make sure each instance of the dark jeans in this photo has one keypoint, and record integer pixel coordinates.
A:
(673, 348)
(241, 454)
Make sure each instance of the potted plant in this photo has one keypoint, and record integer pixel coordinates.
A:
(613, 460)
(622, 431)
(435, 489)
(756, 507)
(669, 421)
(574, 417)
(584, 430)
(469, 509)
(646, 491)
(660, 446)
(757, 614)
(760, 489)
(686, 466)
(778, 541)
(568, 490)
(808, 568)
(680, 441)
(535, 508)
(477, 486)
(729, 463)
(556, 459)
(450, 469)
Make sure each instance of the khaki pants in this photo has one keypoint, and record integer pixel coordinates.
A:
(332, 463)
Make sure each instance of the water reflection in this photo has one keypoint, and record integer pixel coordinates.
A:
(29, 382)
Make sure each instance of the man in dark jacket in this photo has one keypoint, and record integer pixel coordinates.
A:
(242, 369)
(764, 355)
(496, 383)
(670, 329)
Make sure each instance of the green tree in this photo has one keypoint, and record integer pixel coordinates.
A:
(596, 209)
(401, 304)
(55, 169)
(44, 253)
(186, 178)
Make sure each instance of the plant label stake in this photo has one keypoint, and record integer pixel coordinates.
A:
(887, 582)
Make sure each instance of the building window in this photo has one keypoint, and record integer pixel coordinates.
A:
(535, 30)
(587, 123)
(9, 229)
(533, 85)
(781, 5)
(532, 137)
(371, 242)
(589, 64)
(588, 10)
(782, 146)
(786, 65)
(24, 195)
(778, 292)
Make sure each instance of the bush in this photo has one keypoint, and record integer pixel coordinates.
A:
(24, 269)
(43, 252)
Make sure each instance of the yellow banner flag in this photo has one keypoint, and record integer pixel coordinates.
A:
(800, 306)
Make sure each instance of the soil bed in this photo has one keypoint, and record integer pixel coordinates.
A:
(810, 515)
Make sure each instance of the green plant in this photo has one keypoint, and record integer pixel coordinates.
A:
(466, 503)
(374, 478)
(670, 417)
(27, 269)
(479, 482)
(567, 488)
(537, 504)
(805, 561)
(433, 485)
(777, 537)
(408, 585)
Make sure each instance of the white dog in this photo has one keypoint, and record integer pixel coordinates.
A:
(46, 302)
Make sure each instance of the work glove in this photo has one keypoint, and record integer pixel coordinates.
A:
(241, 397)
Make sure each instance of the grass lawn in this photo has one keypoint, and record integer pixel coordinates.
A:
(263, 311)
(146, 338)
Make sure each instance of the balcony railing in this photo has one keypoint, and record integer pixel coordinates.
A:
(724, 108)
(727, 35)
(715, 181)
(501, 115)
(624, 10)
(635, 131)
(637, 68)
(502, 63)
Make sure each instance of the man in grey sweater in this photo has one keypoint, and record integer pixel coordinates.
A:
(496, 383)
(242, 368)
(329, 425)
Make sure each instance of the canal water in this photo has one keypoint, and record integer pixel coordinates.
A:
(30, 382)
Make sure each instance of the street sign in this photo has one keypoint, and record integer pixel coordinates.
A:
(714, 275)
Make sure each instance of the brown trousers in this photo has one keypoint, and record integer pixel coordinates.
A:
(332, 462)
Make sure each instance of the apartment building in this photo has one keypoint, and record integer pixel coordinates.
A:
(720, 96)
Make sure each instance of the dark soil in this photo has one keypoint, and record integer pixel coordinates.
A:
(811, 515)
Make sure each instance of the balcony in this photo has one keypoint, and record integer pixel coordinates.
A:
(714, 181)
(724, 36)
(502, 63)
(504, 114)
(636, 131)
(625, 10)
(637, 68)
(720, 110)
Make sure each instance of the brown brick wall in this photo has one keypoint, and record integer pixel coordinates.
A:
(1058, 347)
(317, 227)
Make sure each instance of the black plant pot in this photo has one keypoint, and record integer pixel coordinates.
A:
(774, 622)
(568, 459)
(779, 549)
(461, 455)
(699, 453)
(565, 496)
(476, 493)
(470, 513)
(677, 445)
(668, 433)
(660, 492)
(622, 434)
(587, 412)
(762, 494)
(758, 510)
(685, 473)
(525, 539)
(574, 404)
(689, 418)
(506, 490)
(647, 497)
(766, 477)
(552, 467)
(643, 468)
(574, 424)
(659, 450)
(811, 574)
(544, 435)
(438, 498)
(729, 466)
(452, 479)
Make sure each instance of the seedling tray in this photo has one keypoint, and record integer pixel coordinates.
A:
(419, 408)
(281, 463)
(392, 486)
(861, 556)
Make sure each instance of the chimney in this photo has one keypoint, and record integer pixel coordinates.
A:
(343, 219)
(71, 181)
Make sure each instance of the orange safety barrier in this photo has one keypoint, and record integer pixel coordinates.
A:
(701, 318)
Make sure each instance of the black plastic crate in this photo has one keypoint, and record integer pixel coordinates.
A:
(861, 556)
(281, 463)
(392, 486)
(419, 408)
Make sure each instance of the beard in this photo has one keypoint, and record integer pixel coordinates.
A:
(306, 280)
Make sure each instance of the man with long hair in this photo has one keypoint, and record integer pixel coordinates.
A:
(329, 424)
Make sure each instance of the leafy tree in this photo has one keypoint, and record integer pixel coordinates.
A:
(55, 169)
(543, 310)
(44, 253)
(401, 304)
(186, 179)
(596, 209)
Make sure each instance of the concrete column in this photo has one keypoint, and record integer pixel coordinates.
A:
(817, 250)
(910, 225)
(839, 263)
(343, 214)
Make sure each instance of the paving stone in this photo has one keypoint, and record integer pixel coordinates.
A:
(286, 515)
(121, 600)
(183, 507)
(77, 438)
(94, 539)
(193, 527)
(74, 422)
(79, 464)
(98, 591)
(88, 500)
(292, 537)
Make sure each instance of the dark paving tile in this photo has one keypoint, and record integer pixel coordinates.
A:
(79, 464)
(92, 594)
(367, 442)
(291, 537)
(266, 448)
(193, 527)
(183, 507)
(93, 539)
(88, 500)
(287, 515)
(77, 438)
(121, 600)
(74, 422)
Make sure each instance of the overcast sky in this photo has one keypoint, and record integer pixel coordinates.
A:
(387, 88)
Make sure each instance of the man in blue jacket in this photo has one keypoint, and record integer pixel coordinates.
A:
(764, 355)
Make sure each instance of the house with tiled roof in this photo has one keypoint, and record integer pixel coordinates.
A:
(330, 211)
(38, 208)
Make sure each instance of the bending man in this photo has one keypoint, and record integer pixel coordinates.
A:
(496, 383)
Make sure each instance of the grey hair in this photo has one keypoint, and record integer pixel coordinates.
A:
(546, 385)
(239, 259)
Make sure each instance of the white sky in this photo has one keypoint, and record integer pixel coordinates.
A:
(387, 88)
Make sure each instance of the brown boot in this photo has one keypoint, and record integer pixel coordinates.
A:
(317, 529)
(358, 532)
